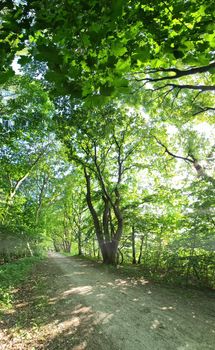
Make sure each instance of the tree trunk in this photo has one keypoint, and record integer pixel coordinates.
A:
(94, 247)
(120, 255)
(108, 246)
(141, 250)
(56, 246)
(106, 218)
(98, 256)
(157, 263)
(133, 246)
(146, 251)
(109, 252)
(29, 248)
(79, 243)
(66, 246)
(92, 210)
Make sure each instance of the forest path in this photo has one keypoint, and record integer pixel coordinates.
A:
(74, 304)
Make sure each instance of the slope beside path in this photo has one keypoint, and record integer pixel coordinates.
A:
(73, 304)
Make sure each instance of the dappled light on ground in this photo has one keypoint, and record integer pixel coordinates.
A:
(78, 290)
(167, 308)
(63, 308)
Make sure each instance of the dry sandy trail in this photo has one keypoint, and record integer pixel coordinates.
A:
(76, 305)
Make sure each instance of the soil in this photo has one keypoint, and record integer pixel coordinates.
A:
(73, 304)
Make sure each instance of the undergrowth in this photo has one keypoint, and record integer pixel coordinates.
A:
(172, 278)
(11, 275)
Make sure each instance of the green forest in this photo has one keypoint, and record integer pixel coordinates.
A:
(107, 182)
(107, 133)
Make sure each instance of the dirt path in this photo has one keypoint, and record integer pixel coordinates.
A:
(73, 304)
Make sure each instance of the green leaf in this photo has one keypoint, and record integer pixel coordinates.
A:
(106, 90)
(5, 76)
(210, 38)
(123, 65)
(24, 60)
(96, 101)
(95, 27)
(117, 8)
(55, 77)
(120, 82)
(118, 49)
(48, 53)
(142, 54)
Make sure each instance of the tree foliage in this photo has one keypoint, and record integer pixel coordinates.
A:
(107, 137)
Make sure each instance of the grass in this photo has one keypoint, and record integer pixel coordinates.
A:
(11, 276)
(174, 278)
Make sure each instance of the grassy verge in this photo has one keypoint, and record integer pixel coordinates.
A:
(173, 279)
(11, 276)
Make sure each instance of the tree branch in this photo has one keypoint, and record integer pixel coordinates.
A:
(177, 72)
(186, 86)
(205, 109)
(191, 159)
(187, 159)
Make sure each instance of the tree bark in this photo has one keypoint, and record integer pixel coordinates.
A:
(109, 252)
(79, 243)
(108, 245)
(92, 210)
(106, 218)
(108, 248)
(134, 261)
(141, 250)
